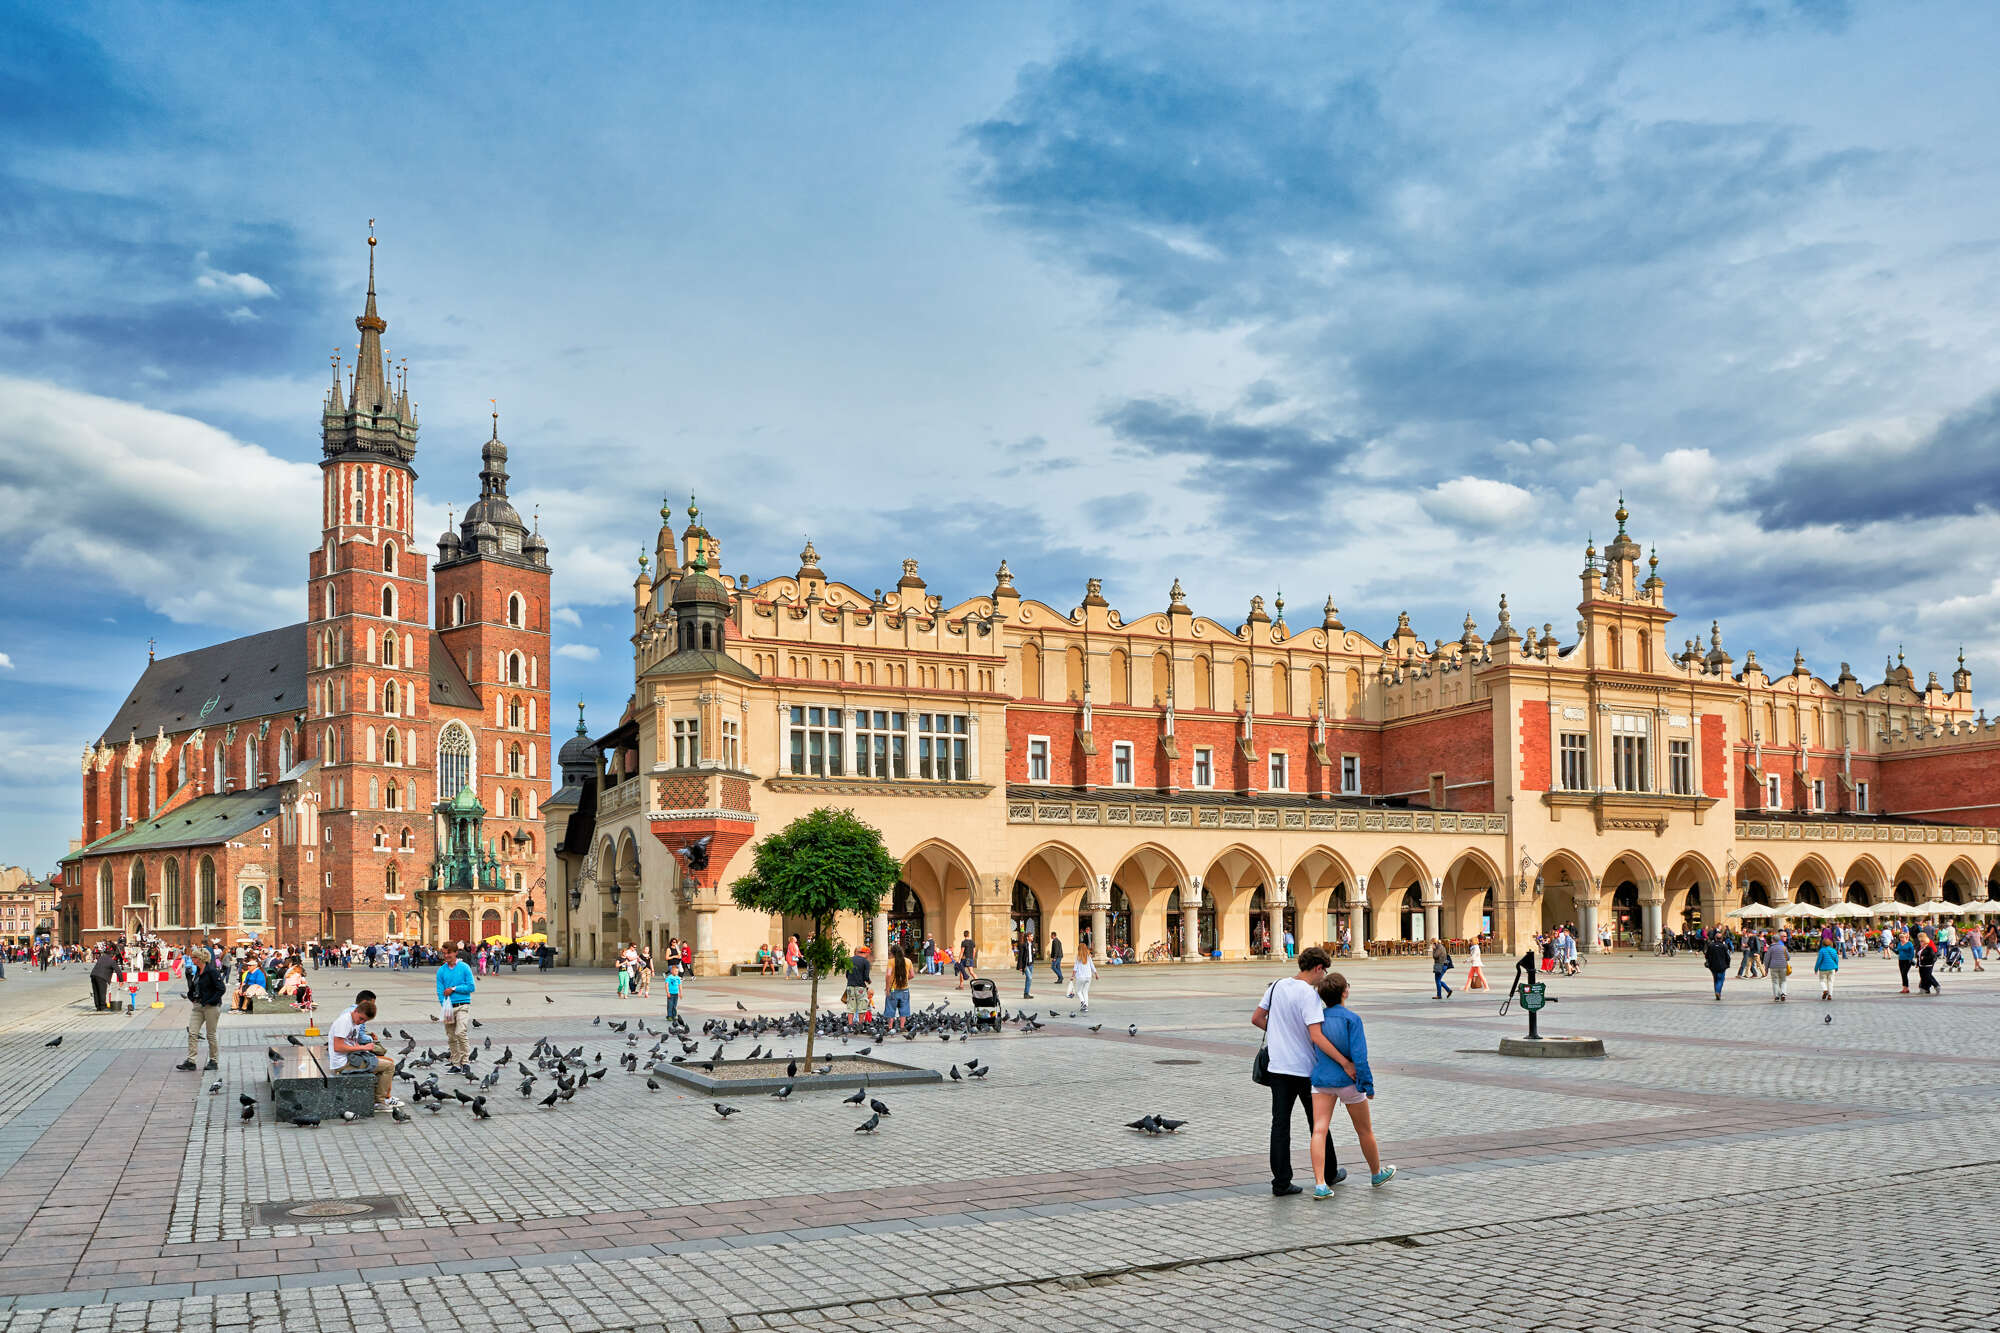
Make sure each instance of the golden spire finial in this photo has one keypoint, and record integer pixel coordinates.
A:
(496, 416)
(371, 233)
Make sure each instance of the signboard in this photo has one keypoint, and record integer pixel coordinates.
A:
(1534, 997)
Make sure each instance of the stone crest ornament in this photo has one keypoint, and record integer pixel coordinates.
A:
(1176, 597)
(1003, 577)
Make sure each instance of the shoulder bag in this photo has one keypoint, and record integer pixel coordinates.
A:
(1260, 1064)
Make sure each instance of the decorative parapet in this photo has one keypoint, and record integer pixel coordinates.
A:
(1832, 831)
(1171, 814)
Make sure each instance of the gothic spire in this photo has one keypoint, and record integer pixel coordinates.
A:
(371, 386)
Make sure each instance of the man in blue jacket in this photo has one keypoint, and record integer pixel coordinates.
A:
(454, 987)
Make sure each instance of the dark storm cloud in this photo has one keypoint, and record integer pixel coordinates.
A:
(1953, 470)
(1277, 473)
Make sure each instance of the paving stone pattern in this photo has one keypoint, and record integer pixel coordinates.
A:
(1821, 1175)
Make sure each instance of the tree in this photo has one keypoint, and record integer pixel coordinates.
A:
(823, 863)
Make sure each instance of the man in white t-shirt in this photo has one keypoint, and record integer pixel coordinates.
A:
(1290, 1007)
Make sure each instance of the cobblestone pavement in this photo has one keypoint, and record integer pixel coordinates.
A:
(1814, 1174)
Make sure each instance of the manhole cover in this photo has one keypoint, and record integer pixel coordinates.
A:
(1176, 1062)
(362, 1207)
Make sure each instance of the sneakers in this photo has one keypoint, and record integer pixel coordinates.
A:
(1280, 1191)
(185, 1066)
(1322, 1192)
(1382, 1177)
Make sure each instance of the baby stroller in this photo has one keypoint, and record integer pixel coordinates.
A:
(986, 1011)
(1953, 956)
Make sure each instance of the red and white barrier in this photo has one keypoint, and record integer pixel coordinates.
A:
(131, 981)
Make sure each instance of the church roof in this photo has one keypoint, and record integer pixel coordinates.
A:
(256, 676)
(449, 687)
(202, 822)
(702, 662)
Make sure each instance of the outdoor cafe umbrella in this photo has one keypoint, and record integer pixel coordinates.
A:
(1805, 910)
(1892, 909)
(1754, 912)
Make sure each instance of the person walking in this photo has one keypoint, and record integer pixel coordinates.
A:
(1716, 959)
(1290, 1007)
(968, 954)
(1055, 955)
(455, 986)
(1906, 957)
(1825, 966)
(1082, 975)
(1751, 947)
(1927, 956)
(1777, 964)
(101, 973)
(792, 954)
(205, 993)
(1341, 1075)
(896, 984)
(1440, 964)
(1024, 958)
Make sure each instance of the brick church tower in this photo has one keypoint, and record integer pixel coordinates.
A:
(367, 653)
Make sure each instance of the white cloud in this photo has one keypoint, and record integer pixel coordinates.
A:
(1476, 501)
(566, 615)
(200, 526)
(581, 652)
(242, 286)
(6, 662)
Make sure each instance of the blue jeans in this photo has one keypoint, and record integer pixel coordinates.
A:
(899, 1005)
(1055, 968)
(673, 1005)
(1437, 977)
(1718, 981)
(1028, 981)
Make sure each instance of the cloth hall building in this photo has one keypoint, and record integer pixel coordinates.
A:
(1196, 788)
(297, 783)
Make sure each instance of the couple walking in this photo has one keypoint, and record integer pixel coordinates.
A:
(1317, 1054)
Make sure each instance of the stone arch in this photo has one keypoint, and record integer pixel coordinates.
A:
(1233, 877)
(1315, 880)
(1563, 879)
(1757, 880)
(1058, 876)
(1693, 894)
(1471, 895)
(942, 878)
(1867, 873)
(1916, 873)
(1145, 877)
(626, 878)
(1394, 872)
(1963, 876)
(1813, 881)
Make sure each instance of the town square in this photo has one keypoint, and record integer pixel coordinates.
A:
(875, 666)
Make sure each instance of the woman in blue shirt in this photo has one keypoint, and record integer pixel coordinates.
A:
(1906, 955)
(1341, 1074)
(1826, 965)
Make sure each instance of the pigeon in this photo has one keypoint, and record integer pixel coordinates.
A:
(463, 1100)
(57, 1041)
(1132, 1030)
(215, 1088)
(652, 1086)
(825, 1068)
(479, 1111)
(306, 1121)
(547, 1000)
(595, 1021)
(1097, 1027)
(490, 1080)
(434, 1018)
(860, 1096)
(594, 1074)
(271, 1053)
(755, 1051)
(246, 1099)
(726, 1111)
(954, 1075)
(878, 1106)
(740, 1009)
(250, 1113)
(476, 1023)
(1171, 1126)
(399, 1115)
(983, 1072)
(1829, 1018)
(791, 1070)
(783, 1092)
(489, 1043)
(864, 1050)
(347, 1116)
(528, 1087)
(508, 1000)
(288, 1037)
(550, 1100)
(869, 1125)
(1145, 1124)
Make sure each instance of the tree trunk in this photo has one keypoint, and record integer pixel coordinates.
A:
(812, 1002)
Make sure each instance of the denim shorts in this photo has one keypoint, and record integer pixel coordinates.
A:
(899, 1004)
(1347, 1094)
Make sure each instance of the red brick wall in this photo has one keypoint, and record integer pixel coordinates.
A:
(1533, 746)
(1459, 744)
(1714, 756)
(1059, 725)
(1960, 784)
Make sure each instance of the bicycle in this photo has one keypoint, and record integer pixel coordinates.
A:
(1159, 952)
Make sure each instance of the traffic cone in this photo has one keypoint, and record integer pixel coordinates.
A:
(1475, 975)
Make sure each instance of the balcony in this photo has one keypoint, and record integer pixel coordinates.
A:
(1628, 811)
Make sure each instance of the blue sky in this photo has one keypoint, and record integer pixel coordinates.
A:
(1383, 301)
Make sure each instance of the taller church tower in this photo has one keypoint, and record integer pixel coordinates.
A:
(367, 654)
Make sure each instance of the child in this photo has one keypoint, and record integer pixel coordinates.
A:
(673, 996)
(1082, 975)
(1341, 1074)
(1826, 964)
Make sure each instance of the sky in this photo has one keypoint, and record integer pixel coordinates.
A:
(1386, 303)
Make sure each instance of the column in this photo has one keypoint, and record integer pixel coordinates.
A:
(881, 936)
(1274, 918)
(1191, 921)
(1587, 926)
(1650, 930)
(705, 961)
(1099, 940)
(1358, 928)
(1431, 920)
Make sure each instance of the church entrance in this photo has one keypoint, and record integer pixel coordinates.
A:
(460, 927)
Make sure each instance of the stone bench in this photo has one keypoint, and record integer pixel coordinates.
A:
(273, 1005)
(299, 1085)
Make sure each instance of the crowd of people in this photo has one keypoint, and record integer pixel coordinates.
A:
(1927, 948)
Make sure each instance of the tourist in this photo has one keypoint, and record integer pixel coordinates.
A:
(967, 955)
(1824, 966)
(1024, 959)
(792, 955)
(1055, 955)
(930, 954)
(1927, 956)
(205, 992)
(1082, 975)
(1906, 957)
(1777, 964)
(673, 995)
(1341, 1074)
(1745, 967)
(350, 1050)
(1440, 964)
(896, 985)
(101, 972)
(1289, 943)
(253, 987)
(857, 994)
(1978, 933)
(1290, 1007)
(455, 986)
(645, 974)
(687, 958)
(1716, 959)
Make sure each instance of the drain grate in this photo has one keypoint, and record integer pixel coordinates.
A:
(360, 1208)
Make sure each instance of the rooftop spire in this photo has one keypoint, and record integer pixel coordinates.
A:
(371, 391)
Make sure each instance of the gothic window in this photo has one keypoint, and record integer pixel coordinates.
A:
(284, 753)
(454, 761)
(395, 794)
(250, 762)
(406, 839)
(389, 649)
(458, 609)
(388, 602)
(389, 698)
(374, 792)
(388, 557)
(514, 759)
(389, 881)
(106, 909)
(514, 609)
(135, 891)
(152, 788)
(381, 839)
(389, 505)
(181, 768)
(706, 640)
(514, 712)
(205, 889)
(170, 880)
(514, 804)
(221, 768)
(513, 668)
(392, 748)
(328, 599)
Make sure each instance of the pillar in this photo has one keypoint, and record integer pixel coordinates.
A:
(1190, 934)
(1274, 917)
(1358, 928)
(705, 961)
(881, 936)
(1099, 921)
(1650, 931)
(1431, 911)
(1587, 926)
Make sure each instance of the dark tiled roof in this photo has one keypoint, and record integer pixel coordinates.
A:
(260, 675)
(449, 687)
(702, 662)
(200, 823)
